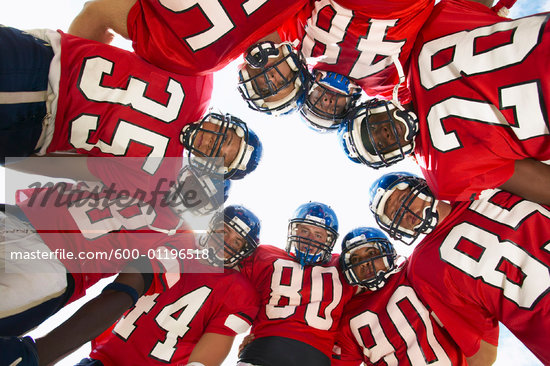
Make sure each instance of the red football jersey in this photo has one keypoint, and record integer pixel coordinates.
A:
(392, 326)
(481, 89)
(95, 232)
(358, 39)
(304, 304)
(112, 102)
(488, 261)
(162, 329)
(202, 36)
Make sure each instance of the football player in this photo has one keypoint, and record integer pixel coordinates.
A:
(191, 37)
(490, 105)
(480, 263)
(302, 293)
(90, 230)
(192, 323)
(103, 101)
(387, 323)
(273, 77)
(351, 45)
(92, 98)
(329, 98)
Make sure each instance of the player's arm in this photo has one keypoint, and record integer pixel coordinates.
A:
(486, 355)
(531, 181)
(98, 17)
(94, 317)
(211, 349)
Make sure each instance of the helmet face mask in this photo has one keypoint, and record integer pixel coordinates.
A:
(238, 239)
(312, 234)
(368, 259)
(273, 78)
(228, 135)
(330, 97)
(415, 205)
(208, 195)
(367, 125)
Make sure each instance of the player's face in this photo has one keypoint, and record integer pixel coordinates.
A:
(329, 102)
(314, 233)
(383, 133)
(394, 208)
(326, 100)
(368, 269)
(276, 75)
(232, 240)
(205, 142)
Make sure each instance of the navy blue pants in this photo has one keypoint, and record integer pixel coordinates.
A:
(24, 67)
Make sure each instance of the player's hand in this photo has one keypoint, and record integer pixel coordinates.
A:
(17, 351)
(248, 339)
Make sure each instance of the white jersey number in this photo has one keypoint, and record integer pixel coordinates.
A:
(523, 98)
(370, 46)
(291, 292)
(96, 218)
(215, 14)
(525, 35)
(495, 253)
(125, 133)
(383, 349)
(173, 318)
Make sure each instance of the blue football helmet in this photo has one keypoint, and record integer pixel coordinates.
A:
(19, 351)
(197, 193)
(330, 97)
(248, 156)
(384, 187)
(244, 223)
(358, 133)
(353, 264)
(257, 87)
(306, 249)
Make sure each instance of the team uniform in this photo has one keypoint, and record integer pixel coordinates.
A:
(104, 101)
(304, 304)
(481, 91)
(358, 39)
(488, 262)
(392, 327)
(162, 329)
(90, 220)
(62, 240)
(200, 37)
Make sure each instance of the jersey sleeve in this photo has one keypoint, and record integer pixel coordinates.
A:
(485, 171)
(293, 28)
(238, 309)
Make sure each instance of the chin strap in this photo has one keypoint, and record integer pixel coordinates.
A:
(401, 74)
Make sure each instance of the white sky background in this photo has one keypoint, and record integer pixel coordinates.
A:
(299, 165)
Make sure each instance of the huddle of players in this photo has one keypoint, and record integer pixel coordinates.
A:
(498, 268)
